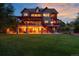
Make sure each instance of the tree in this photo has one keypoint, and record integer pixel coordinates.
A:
(76, 24)
(6, 16)
(64, 28)
(62, 25)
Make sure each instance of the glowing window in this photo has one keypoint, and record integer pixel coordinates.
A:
(39, 15)
(32, 15)
(52, 22)
(53, 15)
(46, 21)
(46, 15)
(25, 14)
(35, 15)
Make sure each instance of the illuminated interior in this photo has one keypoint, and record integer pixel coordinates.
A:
(52, 22)
(33, 23)
(29, 30)
(46, 15)
(25, 14)
(53, 15)
(36, 15)
(46, 21)
(9, 31)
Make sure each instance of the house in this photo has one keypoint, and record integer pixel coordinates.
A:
(37, 21)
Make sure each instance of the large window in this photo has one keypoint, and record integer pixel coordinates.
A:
(36, 15)
(37, 23)
(25, 14)
(46, 15)
(52, 15)
(45, 21)
(52, 22)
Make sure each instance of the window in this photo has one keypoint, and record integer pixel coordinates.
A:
(25, 14)
(36, 15)
(37, 10)
(53, 15)
(46, 14)
(39, 15)
(46, 21)
(52, 22)
(28, 22)
(32, 15)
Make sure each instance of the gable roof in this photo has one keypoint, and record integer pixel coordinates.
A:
(41, 10)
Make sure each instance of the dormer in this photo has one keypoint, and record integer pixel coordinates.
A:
(37, 9)
(46, 7)
(25, 12)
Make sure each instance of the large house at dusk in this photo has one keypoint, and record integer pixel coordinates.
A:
(37, 21)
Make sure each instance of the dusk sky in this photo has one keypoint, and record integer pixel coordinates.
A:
(67, 11)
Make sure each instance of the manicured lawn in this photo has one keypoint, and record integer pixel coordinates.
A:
(39, 45)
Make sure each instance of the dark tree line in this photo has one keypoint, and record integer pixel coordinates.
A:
(7, 18)
(75, 24)
(70, 27)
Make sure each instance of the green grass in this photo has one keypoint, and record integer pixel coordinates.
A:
(39, 45)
